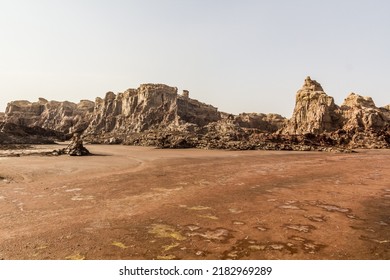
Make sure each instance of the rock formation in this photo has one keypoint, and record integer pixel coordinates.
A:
(361, 113)
(267, 123)
(314, 112)
(156, 115)
(66, 117)
(11, 133)
(75, 147)
(151, 107)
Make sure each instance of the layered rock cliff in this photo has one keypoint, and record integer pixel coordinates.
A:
(148, 112)
(315, 112)
(66, 117)
(151, 107)
(361, 113)
(155, 114)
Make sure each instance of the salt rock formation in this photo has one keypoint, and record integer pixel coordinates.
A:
(361, 113)
(150, 107)
(314, 112)
(66, 117)
(76, 147)
(264, 122)
(156, 115)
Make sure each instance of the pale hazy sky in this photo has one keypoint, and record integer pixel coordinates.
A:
(240, 56)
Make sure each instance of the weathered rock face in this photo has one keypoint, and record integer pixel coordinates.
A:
(134, 110)
(76, 147)
(314, 112)
(269, 122)
(150, 107)
(2, 117)
(195, 112)
(66, 117)
(155, 115)
(134, 115)
(361, 113)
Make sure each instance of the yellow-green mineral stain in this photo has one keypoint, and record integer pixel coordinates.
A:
(119, 244)
(77, 256)
(171, 246)
(165, 231)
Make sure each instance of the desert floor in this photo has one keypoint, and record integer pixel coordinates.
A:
(144, 203)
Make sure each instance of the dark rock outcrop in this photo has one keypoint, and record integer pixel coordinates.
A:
(11, 133)
(267, 123)
(75, 147)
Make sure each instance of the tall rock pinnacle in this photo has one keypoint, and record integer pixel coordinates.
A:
(314, 111)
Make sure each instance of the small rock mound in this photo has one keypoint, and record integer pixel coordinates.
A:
(75, 147)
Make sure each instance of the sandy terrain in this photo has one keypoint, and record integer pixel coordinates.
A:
(144, 203)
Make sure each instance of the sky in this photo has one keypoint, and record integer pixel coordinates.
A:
(240, 56)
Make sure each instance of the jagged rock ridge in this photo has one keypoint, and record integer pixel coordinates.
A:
(150, 107)
(315, 112)
(155, 114)
(66, 117)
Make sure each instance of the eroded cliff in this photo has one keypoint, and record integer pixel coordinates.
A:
(66, 117)
(156, 115)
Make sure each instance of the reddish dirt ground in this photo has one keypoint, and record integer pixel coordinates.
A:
(144, 203)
